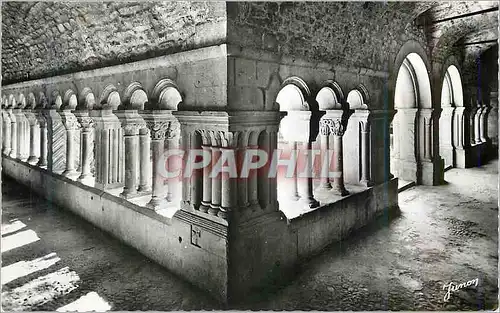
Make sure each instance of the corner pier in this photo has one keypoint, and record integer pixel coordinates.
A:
(227, 236)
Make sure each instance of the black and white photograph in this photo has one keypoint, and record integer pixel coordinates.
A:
(249, 156)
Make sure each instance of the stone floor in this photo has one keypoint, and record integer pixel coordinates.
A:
(443, 234)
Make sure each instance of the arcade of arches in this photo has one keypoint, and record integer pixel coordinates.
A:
(93, 99)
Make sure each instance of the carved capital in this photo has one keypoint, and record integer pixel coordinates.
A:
(324, 128)
(333, 126)
(71, 123)
(364, 126)
(131, 129)
(229, 139)
(41, 120)
(173, 131)
(86, 122)
(158, 129)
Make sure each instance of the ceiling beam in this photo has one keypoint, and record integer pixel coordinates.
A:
(476, 42)
(493, 9)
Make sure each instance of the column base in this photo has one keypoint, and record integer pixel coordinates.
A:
(156, 204)
(144, 189)
(223, 213)
(127, 194)
(341, 191)
(204, 207)
(85, 177)
(33, 160)
(69, 173)
(13, 154)
(254, 206)
(431, 172)
(6, 151)
(311, 203)
(213, 210)
(366, 183)
(323, 188)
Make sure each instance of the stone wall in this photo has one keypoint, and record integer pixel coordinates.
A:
(42, 39)
(350, 33)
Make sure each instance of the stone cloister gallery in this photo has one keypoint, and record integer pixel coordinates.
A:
(288, 126)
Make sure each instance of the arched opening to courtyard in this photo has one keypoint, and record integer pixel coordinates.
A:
(410, 141)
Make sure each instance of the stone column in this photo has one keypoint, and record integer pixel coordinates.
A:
(472, 125)
(483, 123)
(131, 160)
(430, 160)
(34, 138)
(336, 128)
(174, 184)
(21, 136)
(42, 161)
(477, 125)
(216, 179)
(324, 130)
(86, 146)
(107, 127)
(25, 143)
(304, 184)
(446, 134)
(492, 120)
(144, 161)
(13, 134)
(365, 152)
(72, 128)
(207, 180)
(131, 123)
(252, 181)
(6, 133)
(56, 141)
(158, 130)
(461, 139)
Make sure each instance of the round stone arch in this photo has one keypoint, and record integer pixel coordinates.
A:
(330, 97)
(109, 98)
(410, 94)
(358, 98)
(451, 120)
(414, 60)
(70, 100)
(166, 96)
(293, 98)
(86, 100)
(134, 97)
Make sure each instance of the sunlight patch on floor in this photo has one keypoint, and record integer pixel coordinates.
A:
(40, 290)
(12, 227)
(24, 268)
(18, 240)
(89, 302)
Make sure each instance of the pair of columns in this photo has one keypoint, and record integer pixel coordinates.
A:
(18, 134)
(332, 129)
(479, 124)
(164, 133)
(357, 167)
(137, 147)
